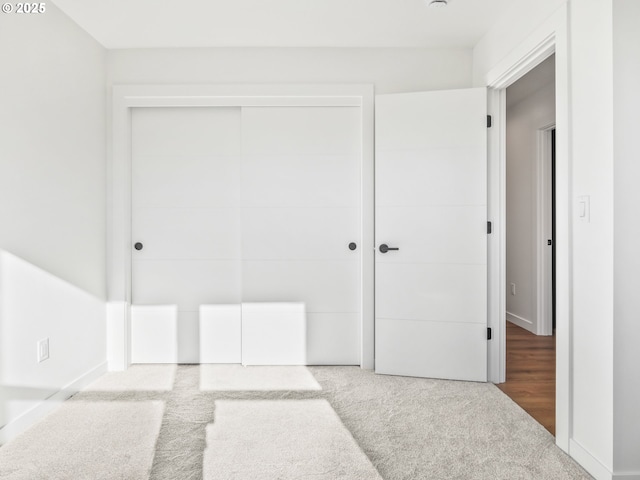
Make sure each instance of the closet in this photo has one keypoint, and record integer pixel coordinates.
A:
(239, 208)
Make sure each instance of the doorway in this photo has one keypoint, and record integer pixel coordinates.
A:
(530, 243)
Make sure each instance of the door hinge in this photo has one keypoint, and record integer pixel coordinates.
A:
(488, 333)
(489, 229)
(488, 121)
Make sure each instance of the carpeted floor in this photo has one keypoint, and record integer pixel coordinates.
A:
(264, 423)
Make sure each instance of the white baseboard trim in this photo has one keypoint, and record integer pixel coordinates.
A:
(521, 322)
(626, 476)
(589, 462)
(18, 425)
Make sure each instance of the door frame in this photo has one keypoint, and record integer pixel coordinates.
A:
(551, 37)
(544, 230)
(127, 97)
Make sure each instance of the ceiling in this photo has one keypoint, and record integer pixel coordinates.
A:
(284, 23)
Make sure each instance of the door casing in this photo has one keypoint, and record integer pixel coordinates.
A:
(544, 231)
(549, 38)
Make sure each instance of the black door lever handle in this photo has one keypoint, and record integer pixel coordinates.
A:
(384, 248)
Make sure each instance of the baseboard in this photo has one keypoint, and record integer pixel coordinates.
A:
(520, 321)
(626, 476)
(46, 406)
(589, 462)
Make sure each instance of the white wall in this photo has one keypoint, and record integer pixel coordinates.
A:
(391, 70)
(524, 121)
(626, 98)
(518, 21)
(52, 210)
(592, 164)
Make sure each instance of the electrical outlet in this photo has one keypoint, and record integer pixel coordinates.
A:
(43, 350)
(513, 289)
(584, 209)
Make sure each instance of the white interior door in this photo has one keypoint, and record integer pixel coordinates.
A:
(186, 216)
(431, 194)
(300, 211)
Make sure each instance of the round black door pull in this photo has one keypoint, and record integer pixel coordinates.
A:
(138, 246)
(384, 248)
(352, 246)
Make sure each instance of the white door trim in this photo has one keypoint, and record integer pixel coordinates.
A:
(550, 37)
(544, 310)
(126, 97)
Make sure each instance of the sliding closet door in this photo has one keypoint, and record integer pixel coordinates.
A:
(186, 224)
(300, 213)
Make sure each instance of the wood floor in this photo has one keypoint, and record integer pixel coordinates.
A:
(531, 374)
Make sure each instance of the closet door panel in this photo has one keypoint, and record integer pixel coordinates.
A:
(300, 211)
(186, 219)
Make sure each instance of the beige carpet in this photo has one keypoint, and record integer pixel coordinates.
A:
(414, 428)
(256, 378)
(191, 422)
(86, 440)
(282, 440)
